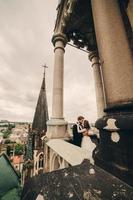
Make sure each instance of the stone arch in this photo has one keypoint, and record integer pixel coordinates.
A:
(41, 160)
(57, 162)
(54, 163)
(38, 161)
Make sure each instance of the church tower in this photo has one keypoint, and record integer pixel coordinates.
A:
(39, 128)
(34, 153)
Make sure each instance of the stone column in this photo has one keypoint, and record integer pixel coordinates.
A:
(94, 58)
(116, 127)
(57, 126)
(114, 52)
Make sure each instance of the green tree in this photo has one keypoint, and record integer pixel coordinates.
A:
(19, 149)
(6, 133)
(10, 126)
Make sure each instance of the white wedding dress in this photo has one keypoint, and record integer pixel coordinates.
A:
(88, 146)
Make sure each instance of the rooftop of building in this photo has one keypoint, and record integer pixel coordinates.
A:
(76, 183)
(9, 179)
(17, 159)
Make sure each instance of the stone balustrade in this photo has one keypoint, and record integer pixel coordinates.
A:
(61, 154)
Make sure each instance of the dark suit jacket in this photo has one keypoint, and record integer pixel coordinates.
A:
(77, 137)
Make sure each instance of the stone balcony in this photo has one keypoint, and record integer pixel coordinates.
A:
(61, 154)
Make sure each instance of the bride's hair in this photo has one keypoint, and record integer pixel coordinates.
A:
(86, 124)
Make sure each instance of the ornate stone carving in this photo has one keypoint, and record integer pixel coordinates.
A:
(67, 13)
(115, 137)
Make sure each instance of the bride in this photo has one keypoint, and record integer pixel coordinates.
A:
(87, 145)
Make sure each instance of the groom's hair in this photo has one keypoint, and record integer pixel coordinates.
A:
(80, 117)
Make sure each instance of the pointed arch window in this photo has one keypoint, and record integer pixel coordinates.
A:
(41, 159)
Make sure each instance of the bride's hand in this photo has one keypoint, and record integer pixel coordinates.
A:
(85, 133)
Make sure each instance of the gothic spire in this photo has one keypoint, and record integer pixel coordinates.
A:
(41, 112)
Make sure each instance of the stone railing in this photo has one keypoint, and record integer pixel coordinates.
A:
(61, 154)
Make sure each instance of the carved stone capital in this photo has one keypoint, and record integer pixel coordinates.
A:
(94, 58)
(93, 54)
(59, 37)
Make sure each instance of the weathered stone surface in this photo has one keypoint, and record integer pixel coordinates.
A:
(76, 183)
(114, 153)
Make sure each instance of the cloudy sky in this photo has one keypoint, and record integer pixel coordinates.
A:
(26, 28)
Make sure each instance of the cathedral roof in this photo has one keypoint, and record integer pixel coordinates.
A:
(41, 112)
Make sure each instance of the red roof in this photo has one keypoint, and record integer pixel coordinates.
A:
(17, 159)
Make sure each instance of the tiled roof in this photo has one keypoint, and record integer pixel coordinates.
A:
(17, 159)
